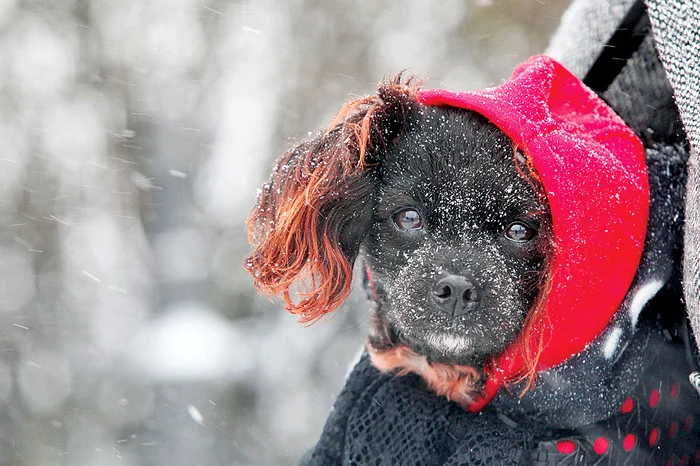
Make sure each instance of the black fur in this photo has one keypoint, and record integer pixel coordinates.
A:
(458, 171)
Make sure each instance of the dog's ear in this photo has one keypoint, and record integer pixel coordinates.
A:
(311, 217)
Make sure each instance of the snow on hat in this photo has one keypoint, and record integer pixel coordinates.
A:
(593, 170)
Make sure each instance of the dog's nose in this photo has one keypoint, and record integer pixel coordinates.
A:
(455, 295)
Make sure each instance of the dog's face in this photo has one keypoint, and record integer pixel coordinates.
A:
(453, 246)
(447, 215)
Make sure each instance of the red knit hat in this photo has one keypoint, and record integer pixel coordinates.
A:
(593, 170)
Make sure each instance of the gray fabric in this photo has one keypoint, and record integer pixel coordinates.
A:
(584, 27)
(676, 26)
(676, 33)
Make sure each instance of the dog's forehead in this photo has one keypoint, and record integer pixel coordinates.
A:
(457, 163)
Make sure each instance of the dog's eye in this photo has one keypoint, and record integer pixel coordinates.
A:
(408, 219)
(519, 232)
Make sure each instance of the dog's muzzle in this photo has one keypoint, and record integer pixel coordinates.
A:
(455, 295)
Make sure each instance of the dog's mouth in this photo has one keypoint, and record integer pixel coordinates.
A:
(453, 342)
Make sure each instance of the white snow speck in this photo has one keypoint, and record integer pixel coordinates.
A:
(195, 414)
(177, 174)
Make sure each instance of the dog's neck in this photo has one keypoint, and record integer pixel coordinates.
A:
(461, 384)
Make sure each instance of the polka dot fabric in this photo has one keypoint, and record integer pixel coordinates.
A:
(656, 425)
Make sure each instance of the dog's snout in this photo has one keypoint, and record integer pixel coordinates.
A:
(455, 295)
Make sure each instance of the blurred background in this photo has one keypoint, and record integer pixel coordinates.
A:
(133, 137)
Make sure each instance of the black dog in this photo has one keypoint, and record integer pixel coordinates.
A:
(457, 241)
(448, 215)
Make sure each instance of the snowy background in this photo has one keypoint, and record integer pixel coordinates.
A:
(133, 136)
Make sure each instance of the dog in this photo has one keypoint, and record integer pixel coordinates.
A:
(451, 222)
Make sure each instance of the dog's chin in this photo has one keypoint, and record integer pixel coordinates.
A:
(450, 348)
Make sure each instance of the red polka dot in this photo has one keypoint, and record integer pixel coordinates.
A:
(627, 406)
(600, 446)
(654, 398)
(654, 436)
(697, 457)
(673, 429)
(684, 460)
(566, 447)
(629, 442)
(674, 390)
(688, 423)
(669, 463)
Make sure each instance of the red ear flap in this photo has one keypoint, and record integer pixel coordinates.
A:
(311, 216)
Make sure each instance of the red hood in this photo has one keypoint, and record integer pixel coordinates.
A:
(593, 170)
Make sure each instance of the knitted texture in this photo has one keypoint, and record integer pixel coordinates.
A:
(385, 420)
(676, 25)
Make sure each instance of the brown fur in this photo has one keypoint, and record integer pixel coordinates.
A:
(460, 384)
(288, 226)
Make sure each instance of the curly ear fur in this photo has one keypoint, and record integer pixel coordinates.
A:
(311, 217)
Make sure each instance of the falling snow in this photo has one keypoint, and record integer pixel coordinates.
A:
(134, 137)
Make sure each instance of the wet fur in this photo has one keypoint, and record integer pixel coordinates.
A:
(333, 198)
